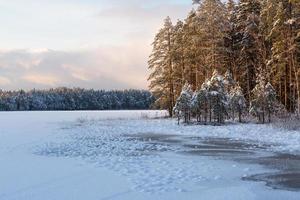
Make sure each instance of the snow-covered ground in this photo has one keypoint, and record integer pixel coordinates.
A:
(127, 155)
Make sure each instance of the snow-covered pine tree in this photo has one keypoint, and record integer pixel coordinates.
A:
(161, 65)
(272, 103)
(237, 102)
(229, 82)
(257, 104)
(183, 104)
(200, 102)
(267, 15)
(218, 97)
(264, 100)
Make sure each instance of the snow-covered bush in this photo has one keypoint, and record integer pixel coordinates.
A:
(183, 104)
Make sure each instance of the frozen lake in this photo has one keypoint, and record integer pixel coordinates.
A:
(134, 155)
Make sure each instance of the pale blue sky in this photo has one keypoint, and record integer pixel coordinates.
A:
(80, 43)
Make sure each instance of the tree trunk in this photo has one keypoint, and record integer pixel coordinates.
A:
(205, 114)
(210, 114)
(171, 82)
(248, 84)
(285, 87)
(170, 110)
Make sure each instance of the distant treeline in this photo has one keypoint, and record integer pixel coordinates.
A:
(75, 99)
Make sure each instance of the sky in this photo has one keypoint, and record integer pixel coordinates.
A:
(100, 44)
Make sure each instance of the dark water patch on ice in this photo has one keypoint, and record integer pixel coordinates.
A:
(281, 180)
(220, 153)
(230, 143)
(279, 161)
(221, 148)
(155, 138)
(287, 176)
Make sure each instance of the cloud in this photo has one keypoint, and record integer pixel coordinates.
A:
(41, 79)
(109, 67)
(4, 81)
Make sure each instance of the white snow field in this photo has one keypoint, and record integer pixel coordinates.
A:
(127, 155)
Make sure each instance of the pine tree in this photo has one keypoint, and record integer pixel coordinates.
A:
(272, 104)
(250, 55)
(257, 104)
(267, 15)
(213, 24)
(229, 81)
(200, 102)
(161, 65)
(195, 70)
(183, 103)
(179, 58)
(237, 102)
(218, 97)
(231, 39)
(264, 100)
(278, 62)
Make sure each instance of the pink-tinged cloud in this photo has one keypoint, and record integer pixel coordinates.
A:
(41, 79)
(112, 67)
(4, 81)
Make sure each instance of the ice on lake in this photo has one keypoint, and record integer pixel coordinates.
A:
(138, 155)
